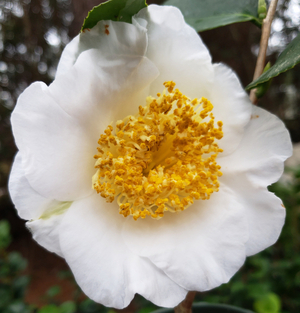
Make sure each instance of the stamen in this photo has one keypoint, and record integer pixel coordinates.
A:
(161, 159)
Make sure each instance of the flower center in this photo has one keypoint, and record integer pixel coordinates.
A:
(161, 159)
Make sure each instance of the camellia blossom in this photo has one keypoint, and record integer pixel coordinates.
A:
(146, 166)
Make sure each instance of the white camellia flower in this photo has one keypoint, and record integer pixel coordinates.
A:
(186, 168)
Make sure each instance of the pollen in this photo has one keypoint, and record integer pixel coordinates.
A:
(161, 159)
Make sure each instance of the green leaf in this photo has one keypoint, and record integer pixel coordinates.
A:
(286, 60)
(5, 238)
(115, 10)
(269, 304)
(208, 14)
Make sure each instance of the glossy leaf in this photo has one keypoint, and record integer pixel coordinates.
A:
(286, 60)
(208, 14)
(115, 10)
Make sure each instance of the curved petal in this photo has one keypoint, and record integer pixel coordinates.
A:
(68, 57)
(176, 49)
(180, 55)
(29, 203)
(231, 106)
(199, 248)
(264, 212)
(44, 214)
(57, 128)
(266, 215)
(265, 146)
(111, 87)
(257, 163)
(45, 231)
(103, 266)
(109, 38)
(52, 145)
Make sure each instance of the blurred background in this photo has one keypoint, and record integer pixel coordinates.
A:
(33, 34)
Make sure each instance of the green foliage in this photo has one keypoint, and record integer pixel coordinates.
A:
(89, 306)
(68, 307)
(53, 291)
(270, 303)
(115, 10)
(286, 61)
(209, 14)
(51, 308)
(270, 278)
(5, 238)
(13, 283)
(269, 282)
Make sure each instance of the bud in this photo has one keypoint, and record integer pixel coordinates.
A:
(262, 9)
(262, 88)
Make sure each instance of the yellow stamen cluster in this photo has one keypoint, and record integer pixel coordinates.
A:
(161, 159)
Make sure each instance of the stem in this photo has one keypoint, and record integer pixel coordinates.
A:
(186, 305)
(261, 59)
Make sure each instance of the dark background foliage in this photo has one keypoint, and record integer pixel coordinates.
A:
(33, 34)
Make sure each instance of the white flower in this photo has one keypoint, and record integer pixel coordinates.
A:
(104, 75)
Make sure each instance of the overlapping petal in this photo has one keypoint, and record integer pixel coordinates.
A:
(180, 55)
(176, 49)
(57, 130)
(109, 38)
(105, 74)
(198, 249)
(107, 271)
(45, 231)
(29, 203)
(265, 146)
(52, 145)
(257, 163)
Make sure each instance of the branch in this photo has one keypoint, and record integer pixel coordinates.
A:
(186, 305)
(261, 59)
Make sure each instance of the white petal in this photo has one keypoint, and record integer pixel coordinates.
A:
(103, 266)
(109, 88)
(231, 106)
(266, 216)
(57, 154)
(199, 248)
(264, 212)
(123, 39)
(180, 55)
(68, 57)
(176, 49)
(29, 203)
(257, 163)
(46, 229)
(265, 146)
(57, 127)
